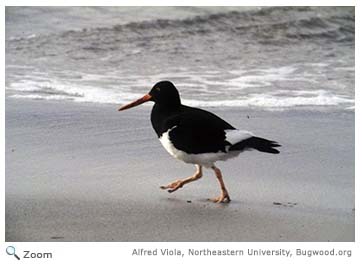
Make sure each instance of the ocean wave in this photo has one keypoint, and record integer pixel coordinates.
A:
(208, 55)
(55, 90)
(264, 24)
(275, 102)
(28, 37)
(273, 23)
(279, 99)
(42, 97)
(266, 102)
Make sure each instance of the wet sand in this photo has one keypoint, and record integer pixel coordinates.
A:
(85, 172)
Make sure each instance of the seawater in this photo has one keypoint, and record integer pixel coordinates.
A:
(267, 58)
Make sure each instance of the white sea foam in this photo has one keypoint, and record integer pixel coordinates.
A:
(264, 101)
(64, 91)
(268, 101)
(30, 36)
(90, 88)
(265, 77)
(42, 97)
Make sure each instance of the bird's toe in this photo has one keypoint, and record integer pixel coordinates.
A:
(224, 198)
(173, 186)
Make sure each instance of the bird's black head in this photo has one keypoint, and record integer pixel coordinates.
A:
(163, 93)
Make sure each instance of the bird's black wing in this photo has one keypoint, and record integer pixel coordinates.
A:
(196, 131)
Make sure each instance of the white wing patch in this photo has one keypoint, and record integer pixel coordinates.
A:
(205, 159)
(235, 136)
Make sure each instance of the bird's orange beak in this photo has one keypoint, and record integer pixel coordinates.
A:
(135, 103)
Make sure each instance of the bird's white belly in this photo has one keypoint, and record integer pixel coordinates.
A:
(204, 159)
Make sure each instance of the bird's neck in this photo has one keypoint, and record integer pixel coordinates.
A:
(167, 108)
(159, 115)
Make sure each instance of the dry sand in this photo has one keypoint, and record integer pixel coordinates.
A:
(85, 172)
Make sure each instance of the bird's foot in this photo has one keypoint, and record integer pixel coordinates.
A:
(173, 186)
(224, 197)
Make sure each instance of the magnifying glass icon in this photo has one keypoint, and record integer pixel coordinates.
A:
(10, 250)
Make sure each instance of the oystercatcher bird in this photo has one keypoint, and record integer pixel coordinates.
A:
(197, 136)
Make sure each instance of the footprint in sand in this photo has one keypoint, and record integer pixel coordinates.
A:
(288, 204)
(57, 237)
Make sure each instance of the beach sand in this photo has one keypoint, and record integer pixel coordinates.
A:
(86, 172)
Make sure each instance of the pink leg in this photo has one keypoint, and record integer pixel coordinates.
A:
(224, 197)
(179, 183)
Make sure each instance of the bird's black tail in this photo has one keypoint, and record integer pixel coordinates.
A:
(260, 144)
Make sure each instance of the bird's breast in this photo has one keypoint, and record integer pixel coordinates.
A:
(169, 146)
